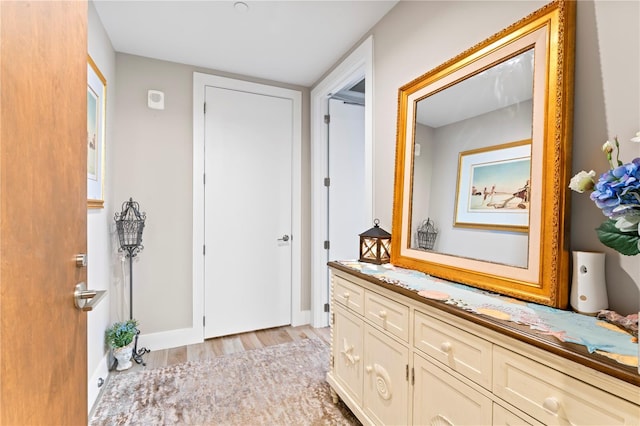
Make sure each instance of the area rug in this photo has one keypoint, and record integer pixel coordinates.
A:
(277, 385)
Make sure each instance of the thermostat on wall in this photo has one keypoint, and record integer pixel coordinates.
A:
(155, 99)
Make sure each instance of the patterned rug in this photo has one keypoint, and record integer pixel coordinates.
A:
(277, 385)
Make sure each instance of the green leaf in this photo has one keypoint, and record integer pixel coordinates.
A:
(623, 242)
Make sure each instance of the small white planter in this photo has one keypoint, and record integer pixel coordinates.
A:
(123, 355)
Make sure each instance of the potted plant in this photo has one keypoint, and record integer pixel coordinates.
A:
(120, 338)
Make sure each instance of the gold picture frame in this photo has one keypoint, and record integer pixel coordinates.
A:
(493, 189)
(96, 121)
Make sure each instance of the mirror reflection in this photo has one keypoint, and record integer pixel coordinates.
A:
(472, 162)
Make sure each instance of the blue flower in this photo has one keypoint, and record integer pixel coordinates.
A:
(617, 194)
(620, 185)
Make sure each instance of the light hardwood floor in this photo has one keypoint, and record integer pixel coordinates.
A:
(229, 344)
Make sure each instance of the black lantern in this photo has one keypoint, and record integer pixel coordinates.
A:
(375, 245)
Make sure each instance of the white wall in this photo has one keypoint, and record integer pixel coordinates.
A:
(414, 37)
(153, 151)
(99, 220)
(502, 126)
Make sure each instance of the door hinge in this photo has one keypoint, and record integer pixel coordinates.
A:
(327, 182)
(204, 249)
(326, 307)
(406, 373)
(205, 108)
(331, 361)
(204, 178)
(204, 322)
(413, 376)
(327, 119)
(326, 245)
(333, 318)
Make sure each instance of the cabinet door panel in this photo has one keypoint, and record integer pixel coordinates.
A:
(386, 385)
(347, 351)
(440, 399)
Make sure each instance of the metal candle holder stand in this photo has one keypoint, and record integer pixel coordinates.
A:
(130, 224)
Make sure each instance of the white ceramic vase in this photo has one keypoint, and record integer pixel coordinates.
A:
(123, 355)
(588, 283)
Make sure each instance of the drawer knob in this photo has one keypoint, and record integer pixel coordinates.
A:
(445, 347)
(551, 404)
(346, 295)
(369, 369)
(383, 314)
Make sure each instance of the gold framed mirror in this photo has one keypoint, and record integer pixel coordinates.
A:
(483, 157)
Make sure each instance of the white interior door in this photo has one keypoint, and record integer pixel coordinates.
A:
(347, 207)
(248, 200)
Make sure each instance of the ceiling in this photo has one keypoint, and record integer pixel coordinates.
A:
(292, 42)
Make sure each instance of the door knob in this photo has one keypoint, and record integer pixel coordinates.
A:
(284, 238)
(86, 300)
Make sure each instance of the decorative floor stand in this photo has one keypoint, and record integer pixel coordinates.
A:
(138, 353)
(130, 223)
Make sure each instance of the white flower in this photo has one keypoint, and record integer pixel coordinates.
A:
(607, 147)
(583, 181)
(636, 139)
(629, 223)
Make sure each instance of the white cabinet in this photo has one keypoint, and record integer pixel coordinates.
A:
(348, 332)
(386, 381)
(439, 399)
(504, 417)
(370, 368)
(399, 361)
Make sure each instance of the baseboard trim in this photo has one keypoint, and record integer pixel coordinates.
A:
(93, 390)
(190, 336)
(170, 339)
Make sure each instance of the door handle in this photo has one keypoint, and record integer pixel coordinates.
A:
(86, 300)
(284, 238)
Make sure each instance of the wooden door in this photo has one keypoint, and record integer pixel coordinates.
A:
(43, 211)
(248, 200)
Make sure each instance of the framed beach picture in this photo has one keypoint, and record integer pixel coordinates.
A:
(493, 190)
(96, 116)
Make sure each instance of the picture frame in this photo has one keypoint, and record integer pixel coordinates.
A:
(96, 122)
(493, 188)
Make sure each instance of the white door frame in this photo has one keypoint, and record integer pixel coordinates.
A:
(200, 80)
(358, 64)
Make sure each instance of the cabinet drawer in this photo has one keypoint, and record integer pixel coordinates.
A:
(554, 398)
(391, 316)
(348, 294)
(463, 352)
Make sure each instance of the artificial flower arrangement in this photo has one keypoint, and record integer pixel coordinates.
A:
(121, 334)
(617, 194)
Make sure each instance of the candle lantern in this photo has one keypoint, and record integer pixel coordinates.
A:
(375, 245)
